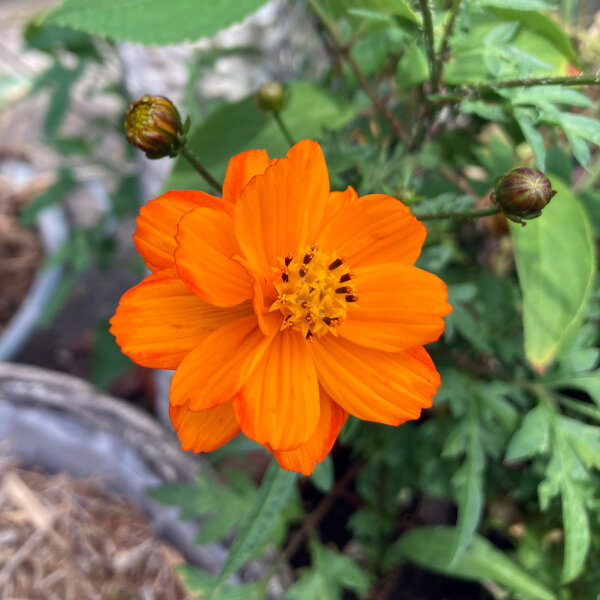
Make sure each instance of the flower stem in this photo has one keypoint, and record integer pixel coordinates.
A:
(441, 57)
(193, 160)
(428, 30)
(533, 81)
(465, 214)
(286, 132)
(343, 50)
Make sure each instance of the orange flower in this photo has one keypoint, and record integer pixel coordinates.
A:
(283, 307)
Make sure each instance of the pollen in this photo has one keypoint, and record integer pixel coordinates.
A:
(313, 291)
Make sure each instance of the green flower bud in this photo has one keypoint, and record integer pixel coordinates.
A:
(270, 96)
(522, 193)
(153, 124)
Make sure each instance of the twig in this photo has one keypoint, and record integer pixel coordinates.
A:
(191, 158)
(441, 57)
(465, 214)
(286, 132)
(343, 50)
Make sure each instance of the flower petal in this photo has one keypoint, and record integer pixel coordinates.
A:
(280, 211)
(160, 320)
(374, 229)
(386, 387)
(205, 246)
(154, 236)
(242, 168)
(279, 403)
(304, 458)
(204, 430)
(212, 373)
(399, 307)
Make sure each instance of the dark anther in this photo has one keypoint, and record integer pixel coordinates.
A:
(307, 258)
(345, 289)
(302, 271)
(284, 276)
(335, 264)
(346, 277)
(288, 259)
(309, 335)
(351, 298)
(327, 321)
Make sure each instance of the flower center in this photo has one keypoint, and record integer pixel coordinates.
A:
(313, 292)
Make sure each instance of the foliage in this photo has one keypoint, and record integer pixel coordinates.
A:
(498, 483)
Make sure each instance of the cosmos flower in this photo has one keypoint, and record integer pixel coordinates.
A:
(283, 307)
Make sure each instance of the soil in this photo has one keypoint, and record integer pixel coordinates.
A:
(20, 249)
(63, 538)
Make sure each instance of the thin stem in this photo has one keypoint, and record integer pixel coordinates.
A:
(428, 30)
(533, 81)
(343, 50)
(441, 57)
(286, 132)
(191, 158)
(466, 214)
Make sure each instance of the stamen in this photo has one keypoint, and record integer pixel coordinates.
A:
(309, 337)
(351, 298)
(288, 259)
(306, 305)
(347, 276)
(310, 319)
(302, 271)
(345, 289)
(326, 320)
(285, 276)
(335, 264)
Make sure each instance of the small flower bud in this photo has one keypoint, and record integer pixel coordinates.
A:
(270, 96)
(153, 124)
(522, 193)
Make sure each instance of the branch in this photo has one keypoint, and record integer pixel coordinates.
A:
(441, 58)
(428, 31)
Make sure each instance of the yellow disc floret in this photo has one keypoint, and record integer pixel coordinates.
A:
(313, 292)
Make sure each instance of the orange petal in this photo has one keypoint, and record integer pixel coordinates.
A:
(373, 229)
(160, 320)
(304, 458)
(386, 387)
(339, 201)
(242, 168)
(279, 211)
(279, 403)
(154, 236)
(204, 430)
(399, 307)
(214, 371)
(205, 245)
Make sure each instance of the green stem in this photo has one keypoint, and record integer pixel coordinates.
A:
(286, 132)
(466, 214)
(191, 158)
(441, 57)
(343, 50)
(533, 81)
(429, 44)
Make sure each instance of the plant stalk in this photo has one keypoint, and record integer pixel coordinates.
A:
(193, 160)
(286, 132)
(429, 44)
(466, 214)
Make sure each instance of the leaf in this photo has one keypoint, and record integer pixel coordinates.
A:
(52, 195)
(203, 583)
(323, 476)
(241, 126)
(518, 4)
(275, 489)
(584, 439)
(151, 21)
(431, 548)
(468, 480)
(532, 438)
(330, 574)
(546, 93)
(552, 250)
(588, 381)
(108, 362)
(533, 136)
(400, 8)
(412, 68)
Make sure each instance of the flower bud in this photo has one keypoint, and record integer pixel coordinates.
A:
(153, 124)
(522, 193)
(270, 96)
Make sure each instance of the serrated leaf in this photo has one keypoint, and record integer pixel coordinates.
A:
(587, 381)
(241, 126)
(431, 548)
(151, 21)
(533, 437)
(554, 249)
(275, 489)
(584, 439)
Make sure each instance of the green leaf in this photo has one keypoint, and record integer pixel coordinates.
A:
(532, 438)
(431, 548)
(552, 250)
(468, 480)
(400, 8)
(275, 489)
(412, 68)
(108, 362)
(241, 126)
(584, 439)
(323, 476)
(518, 4)
(533, 136)
(587, 381)
(547, 93)
(151, 21)
(203, 583)
(330, 574)
(52, 195)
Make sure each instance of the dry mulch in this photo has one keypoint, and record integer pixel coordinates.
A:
(20, 250)
(69, 539)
